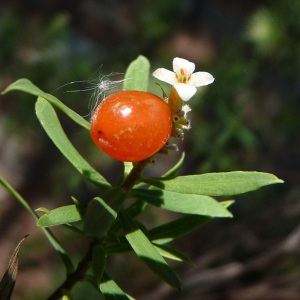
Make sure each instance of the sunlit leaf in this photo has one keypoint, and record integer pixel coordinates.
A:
(43, 210)
(216, 184)
(27, 86)
(61, 215)
(171, 253)
(147, 252)
(137, 74)
(183, 203)
(52, 126)
(172, 230)
(67, 295)
(128, 166)
(112, 291)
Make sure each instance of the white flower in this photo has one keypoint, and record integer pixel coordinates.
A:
(183, 79)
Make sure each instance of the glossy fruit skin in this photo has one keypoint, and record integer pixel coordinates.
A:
(131, 125)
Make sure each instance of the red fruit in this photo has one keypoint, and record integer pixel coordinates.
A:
(131, 125)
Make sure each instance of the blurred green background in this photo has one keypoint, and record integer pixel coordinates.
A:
(248, 119)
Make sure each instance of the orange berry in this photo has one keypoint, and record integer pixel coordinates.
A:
(131, 125)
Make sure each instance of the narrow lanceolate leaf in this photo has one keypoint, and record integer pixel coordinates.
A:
(9, 279)
(61, 215)
(183, 203)
(170, 231)
(128, 166)
(67, 295)
(216, 184)
(101, 213)
(174, 170)
(171, 253)
(112, 291)
(85, 289)
(147, 252)
(137, 74)
(27, 86)
(52, 126)
(98, 218)
(59, 249)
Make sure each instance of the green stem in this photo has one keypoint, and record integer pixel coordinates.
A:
(134, 175)
(84, 264)
(75, 276)
(49, 235)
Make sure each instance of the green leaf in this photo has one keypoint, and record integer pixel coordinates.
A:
(86, 289)
(117, 248)
(101, 213)
(216, 184)
(147, 252)
(137, 74)
(59, 249)
(67, 295)
(174, 170)
(99, 217)
(98, 262)
(112, 291)
(172, 230)
(61, 215)
(51, 124)
(128, 166)
(172, 253)
(27, 86)
(168, 232)
(183, 203)
(43, 210)
(8, 280)
(133, 210)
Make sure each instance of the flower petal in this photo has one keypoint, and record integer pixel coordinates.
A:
(181, 63)
(200, 79)
(185, 91)
(165, 75)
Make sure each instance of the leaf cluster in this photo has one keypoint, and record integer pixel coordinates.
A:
(109, 222)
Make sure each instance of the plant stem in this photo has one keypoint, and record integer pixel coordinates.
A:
(134, 175)
(84, 264)
(75, 276)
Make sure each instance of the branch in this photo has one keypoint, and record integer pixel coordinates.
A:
(74, 277)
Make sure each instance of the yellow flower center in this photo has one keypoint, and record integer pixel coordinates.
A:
(182, 77)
